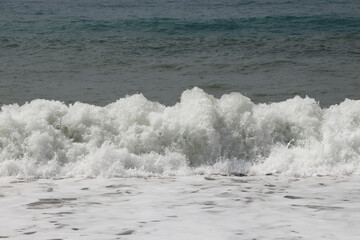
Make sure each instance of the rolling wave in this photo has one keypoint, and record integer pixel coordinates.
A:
(200, 134)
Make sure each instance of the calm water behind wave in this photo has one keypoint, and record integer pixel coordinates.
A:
(98, 51)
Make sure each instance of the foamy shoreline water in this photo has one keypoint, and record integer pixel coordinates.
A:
(193, 207)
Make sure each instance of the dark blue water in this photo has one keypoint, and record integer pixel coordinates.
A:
(99, 51)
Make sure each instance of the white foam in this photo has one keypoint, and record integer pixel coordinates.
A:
(177, 208)
(200, 134)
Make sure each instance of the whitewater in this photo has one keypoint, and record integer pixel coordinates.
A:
(200, 134)
(204, 168)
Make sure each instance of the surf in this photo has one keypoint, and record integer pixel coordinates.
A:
(200, 134)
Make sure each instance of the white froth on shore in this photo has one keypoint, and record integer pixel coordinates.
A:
(191, 207)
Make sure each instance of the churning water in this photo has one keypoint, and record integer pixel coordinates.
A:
(89, 55)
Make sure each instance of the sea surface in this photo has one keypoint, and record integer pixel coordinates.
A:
(97, 51)
(184, 119)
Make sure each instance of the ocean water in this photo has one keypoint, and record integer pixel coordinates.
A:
(99, 51)
(142, 88)
(179, 119)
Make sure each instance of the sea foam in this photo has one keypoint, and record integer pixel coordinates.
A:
(199, 135)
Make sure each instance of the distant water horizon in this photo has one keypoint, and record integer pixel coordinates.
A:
(97, 52)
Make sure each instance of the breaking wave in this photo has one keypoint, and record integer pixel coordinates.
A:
(199, 135)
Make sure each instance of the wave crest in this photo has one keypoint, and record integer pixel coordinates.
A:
(199, 134)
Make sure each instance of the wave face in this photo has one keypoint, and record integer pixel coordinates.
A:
(200, 134)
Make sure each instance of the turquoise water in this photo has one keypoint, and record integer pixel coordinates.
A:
(99, 51)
